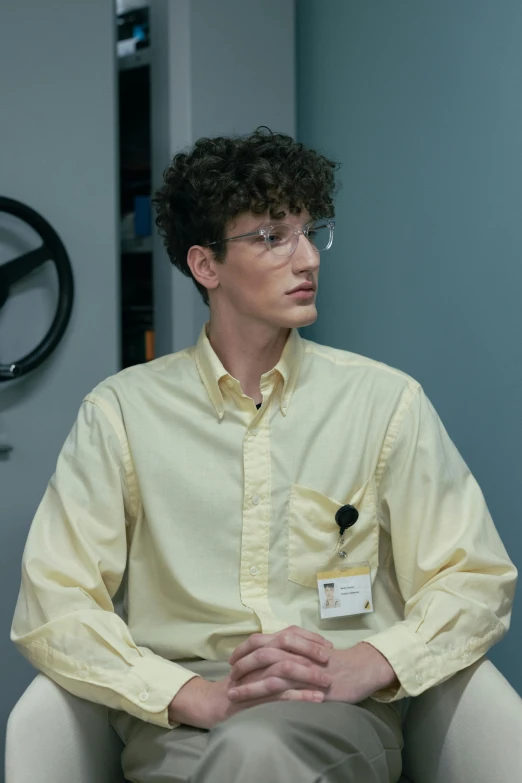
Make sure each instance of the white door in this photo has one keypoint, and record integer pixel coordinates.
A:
(57, 155)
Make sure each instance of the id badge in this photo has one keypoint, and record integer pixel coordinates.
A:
(345, 590)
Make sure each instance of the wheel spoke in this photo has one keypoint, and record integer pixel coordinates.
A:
(22, 266)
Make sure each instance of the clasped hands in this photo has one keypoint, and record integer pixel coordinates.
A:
(295, 664)
(292, 664)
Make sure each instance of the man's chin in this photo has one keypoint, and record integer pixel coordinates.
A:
(298, 317)
(306, 317)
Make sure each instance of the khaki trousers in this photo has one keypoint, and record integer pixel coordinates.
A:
(279, 742)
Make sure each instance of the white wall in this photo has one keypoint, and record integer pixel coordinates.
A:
(58, 155)
(218, 68)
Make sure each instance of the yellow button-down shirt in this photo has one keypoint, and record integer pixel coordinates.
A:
(213, 517)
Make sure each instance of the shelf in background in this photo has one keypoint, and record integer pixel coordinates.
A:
(138, 59)
(137, 245)
(143, 308)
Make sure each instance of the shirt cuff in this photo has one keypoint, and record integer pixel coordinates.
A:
(152, 684)
(410, 658)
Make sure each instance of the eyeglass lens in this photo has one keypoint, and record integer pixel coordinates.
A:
(282, 240)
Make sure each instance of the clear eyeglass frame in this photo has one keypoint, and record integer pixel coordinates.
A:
(281, 238)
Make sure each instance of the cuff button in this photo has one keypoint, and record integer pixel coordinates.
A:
(144, 696)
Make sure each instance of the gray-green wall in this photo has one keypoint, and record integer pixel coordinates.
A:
(421, 102)
(58, 155)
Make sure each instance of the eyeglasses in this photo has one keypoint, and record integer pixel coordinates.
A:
(281, 239)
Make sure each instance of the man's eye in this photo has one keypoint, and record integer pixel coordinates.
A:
(274, 238)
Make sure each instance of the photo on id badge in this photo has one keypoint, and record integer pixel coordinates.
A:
(346, 590)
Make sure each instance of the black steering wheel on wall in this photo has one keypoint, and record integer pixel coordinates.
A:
(51, 249)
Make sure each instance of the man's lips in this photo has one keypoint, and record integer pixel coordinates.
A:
(302, 294)
(305, 287)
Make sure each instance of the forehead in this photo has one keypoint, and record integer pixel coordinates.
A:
(248, 221)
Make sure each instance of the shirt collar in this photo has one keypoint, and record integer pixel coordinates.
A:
(212, 371)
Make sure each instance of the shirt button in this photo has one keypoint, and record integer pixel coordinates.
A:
(255, 500)
(420, 679)
(255, 432)
(230, 383)
(254, 571)
(285, 404)
(144, 696)
(466, 656)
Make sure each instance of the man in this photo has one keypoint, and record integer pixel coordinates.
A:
(206, 485)
(330, 601)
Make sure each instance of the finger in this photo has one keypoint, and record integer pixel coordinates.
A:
(269, 686)
(289, 640)
(288, 695)
(302, 695)
(311, 635)
(263, 657)
(253, 642)
(260, 689)
(290, 671)
(257, 640)
(295, 643)
(303, 675)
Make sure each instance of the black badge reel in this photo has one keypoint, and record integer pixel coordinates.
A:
(346, 517)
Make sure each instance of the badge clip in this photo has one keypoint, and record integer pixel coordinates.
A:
(346, 517)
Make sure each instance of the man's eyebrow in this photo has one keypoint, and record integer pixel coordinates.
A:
(265, 224)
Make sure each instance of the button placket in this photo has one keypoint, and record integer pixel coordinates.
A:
(255, 538)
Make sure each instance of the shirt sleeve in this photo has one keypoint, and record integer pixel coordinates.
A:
(452, 569)
(73, 564)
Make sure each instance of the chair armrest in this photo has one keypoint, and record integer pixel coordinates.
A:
(54, 737)
(466, 730)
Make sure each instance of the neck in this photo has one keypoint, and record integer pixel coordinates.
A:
(247, 351)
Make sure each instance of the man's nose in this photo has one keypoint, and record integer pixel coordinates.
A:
(305, 255)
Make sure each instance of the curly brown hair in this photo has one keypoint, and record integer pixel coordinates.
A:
(208, 185)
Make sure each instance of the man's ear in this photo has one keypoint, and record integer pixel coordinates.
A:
(203, 266)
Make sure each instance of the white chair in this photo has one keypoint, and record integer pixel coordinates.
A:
(467, 730)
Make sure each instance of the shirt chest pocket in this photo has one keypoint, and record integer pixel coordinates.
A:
(313, 533)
